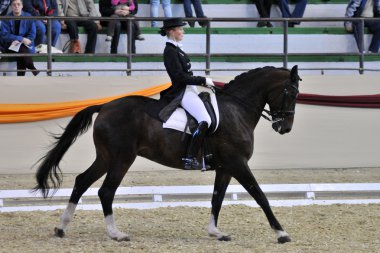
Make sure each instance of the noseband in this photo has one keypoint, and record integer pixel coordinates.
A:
(282, 113)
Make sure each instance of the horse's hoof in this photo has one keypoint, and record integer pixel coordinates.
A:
(123, 238)
(59, 232)
(225, 238)
(283, 239)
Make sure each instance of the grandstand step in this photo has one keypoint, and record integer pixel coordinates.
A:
(247, 9)
(332, 40)
(237, 59)
(223, 2)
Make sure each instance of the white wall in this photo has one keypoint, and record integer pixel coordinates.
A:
(322, 137)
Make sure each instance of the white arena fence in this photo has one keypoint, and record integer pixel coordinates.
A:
(147, 197)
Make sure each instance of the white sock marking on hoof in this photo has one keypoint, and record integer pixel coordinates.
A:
(67, 216)
(213, 230)
(281, 234)
(113, 232)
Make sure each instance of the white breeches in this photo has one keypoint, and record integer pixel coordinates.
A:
(194, 105)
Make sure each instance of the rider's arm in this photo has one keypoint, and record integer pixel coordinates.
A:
(177, 71)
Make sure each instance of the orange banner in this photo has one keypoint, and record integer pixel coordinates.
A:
(17, 113)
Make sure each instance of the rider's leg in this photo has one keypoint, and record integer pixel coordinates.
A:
(194, 105)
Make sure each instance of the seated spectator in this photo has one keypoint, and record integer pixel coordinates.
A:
(4, 7)
(263, 7)
(44, 8)
(365, 9)
(198, 11)
(16, 32)
(120, 8)
(81, 8)
(166, 6)
(61, 14)
(297, 12)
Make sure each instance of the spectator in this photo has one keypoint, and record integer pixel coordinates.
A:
(4, 7)
(22, 33)
(365, 9)
(198, 11)
(263, 7)
(44, 8)
(297, 12)
(154, 9)
(61, 14)
(120, 8)
(81, 8)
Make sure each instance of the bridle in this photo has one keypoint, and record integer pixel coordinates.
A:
(282, 113)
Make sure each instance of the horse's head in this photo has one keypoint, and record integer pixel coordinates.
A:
(282, 102)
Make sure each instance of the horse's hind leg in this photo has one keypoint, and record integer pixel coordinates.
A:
(248, 181)
(107, 193)
(82, 183)
(222, 181)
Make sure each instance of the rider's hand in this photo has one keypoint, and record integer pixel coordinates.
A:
(209, 82)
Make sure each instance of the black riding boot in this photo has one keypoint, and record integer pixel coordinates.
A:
(191, 162)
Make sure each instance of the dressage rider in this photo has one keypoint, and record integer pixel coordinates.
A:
(184, 87)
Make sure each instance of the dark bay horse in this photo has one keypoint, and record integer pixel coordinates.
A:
(123, 130)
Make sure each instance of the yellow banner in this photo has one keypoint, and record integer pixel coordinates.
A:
(17, 113)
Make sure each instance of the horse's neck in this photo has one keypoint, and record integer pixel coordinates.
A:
(249, 103)
(251, 95)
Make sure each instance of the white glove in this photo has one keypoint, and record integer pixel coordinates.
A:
(209, 82)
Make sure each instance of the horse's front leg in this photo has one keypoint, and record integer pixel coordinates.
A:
(222, 181)
(248, 181)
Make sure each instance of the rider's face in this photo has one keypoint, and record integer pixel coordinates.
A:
(177, 33)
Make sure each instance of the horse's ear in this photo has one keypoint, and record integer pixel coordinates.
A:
(294, 74)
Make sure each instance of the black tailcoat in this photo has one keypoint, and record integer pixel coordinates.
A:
(178, 66)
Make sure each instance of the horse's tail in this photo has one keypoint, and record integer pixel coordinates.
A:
(49, 169)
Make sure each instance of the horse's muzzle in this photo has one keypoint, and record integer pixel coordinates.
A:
(282, 127)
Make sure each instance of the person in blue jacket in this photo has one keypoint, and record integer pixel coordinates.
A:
(23, 31)
(365, 9)
(44, 8)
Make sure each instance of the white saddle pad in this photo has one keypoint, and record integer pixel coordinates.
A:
(178, 119)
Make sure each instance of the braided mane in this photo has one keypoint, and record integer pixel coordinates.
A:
(248, 75)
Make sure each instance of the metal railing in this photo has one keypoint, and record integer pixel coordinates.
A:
(361, 54)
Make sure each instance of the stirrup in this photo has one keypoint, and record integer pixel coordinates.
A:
(191, 164)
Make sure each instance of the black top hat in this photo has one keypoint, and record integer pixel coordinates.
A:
(172, 22)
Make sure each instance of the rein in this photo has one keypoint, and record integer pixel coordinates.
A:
(249, 106)
(277, 116)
